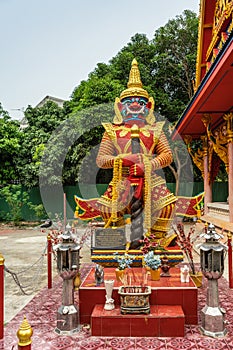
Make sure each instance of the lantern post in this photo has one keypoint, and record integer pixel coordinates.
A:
(68, 268)
(212, 266)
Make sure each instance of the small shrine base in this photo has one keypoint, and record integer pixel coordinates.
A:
(172, 304)
(163, 321)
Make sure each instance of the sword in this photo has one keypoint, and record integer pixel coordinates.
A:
(136, 203)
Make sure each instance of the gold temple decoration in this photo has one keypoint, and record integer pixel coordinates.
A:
(199, 43)
(206, 120)
(198, 156)
(204, 140)
(198, 159)
(218, 140)
(24, 333)
(134, 84)
(220, 145)
(229, 119)
(188, 139)
(223, 10)
(221, 27)
(207, 143)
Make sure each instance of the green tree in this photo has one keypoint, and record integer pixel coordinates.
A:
(69, 152)
(10, 138)
(42, 121)
(96, 91)
(15, 199)
(174, 64)
(140, 48)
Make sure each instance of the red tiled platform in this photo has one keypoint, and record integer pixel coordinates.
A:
(41, 314)
(166, 291)
(163, 321)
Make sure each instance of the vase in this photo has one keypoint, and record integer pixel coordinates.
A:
(120, 275)
(155, 275)
(197, 278)
(109, 303)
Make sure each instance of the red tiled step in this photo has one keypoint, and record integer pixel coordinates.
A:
(163, 321)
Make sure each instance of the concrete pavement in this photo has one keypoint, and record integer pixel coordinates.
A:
(24, 251)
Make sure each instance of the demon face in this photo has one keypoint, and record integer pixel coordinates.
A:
(134, 110)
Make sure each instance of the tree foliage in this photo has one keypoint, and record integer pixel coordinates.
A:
(42, 122)
(10, 137)
(174, 64)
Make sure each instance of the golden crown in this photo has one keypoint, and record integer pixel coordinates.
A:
(134, 84)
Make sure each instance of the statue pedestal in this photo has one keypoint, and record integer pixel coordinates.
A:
(105, 257)
(162, 321)
(166, 291)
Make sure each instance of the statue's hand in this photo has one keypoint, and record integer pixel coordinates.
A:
(137, 170)
(130, 159)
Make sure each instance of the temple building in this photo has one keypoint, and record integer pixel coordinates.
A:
(208, 118)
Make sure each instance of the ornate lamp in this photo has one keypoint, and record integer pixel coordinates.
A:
(212, 266)
(68, 267)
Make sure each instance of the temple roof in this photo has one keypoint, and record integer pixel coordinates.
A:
(214, 70)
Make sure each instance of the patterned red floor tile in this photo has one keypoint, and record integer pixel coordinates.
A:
(150, 343)
(211, 343)
(181, 343)
(90, 344)
(121, 343)
(41, 314)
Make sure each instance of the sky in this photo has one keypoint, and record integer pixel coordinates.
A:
(47, 47)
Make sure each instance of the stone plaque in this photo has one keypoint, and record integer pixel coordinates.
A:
(109, 238)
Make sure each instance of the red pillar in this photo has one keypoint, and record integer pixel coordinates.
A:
(229, 243)
(49, 261)
(1, 296)
(26, 347)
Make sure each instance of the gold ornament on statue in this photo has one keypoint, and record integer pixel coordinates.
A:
(134, 84)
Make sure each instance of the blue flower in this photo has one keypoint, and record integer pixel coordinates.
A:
(152, 261)
(124, 261)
